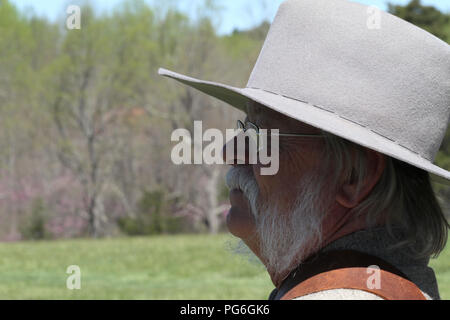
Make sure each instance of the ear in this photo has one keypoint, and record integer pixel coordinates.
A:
(355, 189)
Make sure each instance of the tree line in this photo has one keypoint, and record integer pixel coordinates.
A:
(85, 120)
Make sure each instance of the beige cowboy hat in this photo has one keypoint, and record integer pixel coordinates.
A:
(385, 86)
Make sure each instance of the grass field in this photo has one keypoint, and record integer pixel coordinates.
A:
(160, 267)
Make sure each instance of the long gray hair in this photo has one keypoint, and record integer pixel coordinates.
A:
(403, 192)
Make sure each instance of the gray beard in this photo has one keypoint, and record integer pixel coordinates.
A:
(285, 239)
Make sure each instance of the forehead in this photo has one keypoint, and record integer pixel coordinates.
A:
(268, 118)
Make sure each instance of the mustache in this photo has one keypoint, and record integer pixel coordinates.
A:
(242, 178)
(239, 178)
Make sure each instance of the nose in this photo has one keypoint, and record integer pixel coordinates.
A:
(240, 150)
(229, 152)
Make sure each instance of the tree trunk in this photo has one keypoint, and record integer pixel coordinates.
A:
(92, 227)
(212, 214)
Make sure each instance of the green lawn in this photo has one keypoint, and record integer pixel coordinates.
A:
(161, 267)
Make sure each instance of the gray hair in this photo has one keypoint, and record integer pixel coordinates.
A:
(403, 192)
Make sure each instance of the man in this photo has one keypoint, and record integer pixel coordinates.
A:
(361, 113)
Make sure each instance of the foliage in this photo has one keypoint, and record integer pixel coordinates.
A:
(152, 216)
(425, 17)
(34, 228)
(85, 120)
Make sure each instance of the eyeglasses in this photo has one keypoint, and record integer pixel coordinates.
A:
(250, 125)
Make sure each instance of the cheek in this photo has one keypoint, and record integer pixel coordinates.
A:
(283, 185)
(279, 187)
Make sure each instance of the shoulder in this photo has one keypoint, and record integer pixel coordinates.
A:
(344, 294)
(340, 294)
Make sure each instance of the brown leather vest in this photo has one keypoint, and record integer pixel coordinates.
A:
(347, 269)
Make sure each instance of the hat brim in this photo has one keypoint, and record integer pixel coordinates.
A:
(314, 116)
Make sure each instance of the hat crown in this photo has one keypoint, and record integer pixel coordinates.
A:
(393, 79)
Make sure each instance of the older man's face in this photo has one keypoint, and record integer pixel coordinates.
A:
(298, 158)
(283, 218)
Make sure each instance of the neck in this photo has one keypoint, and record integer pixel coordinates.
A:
(338, 223)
